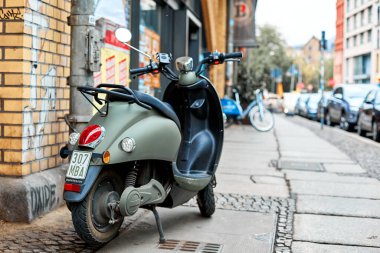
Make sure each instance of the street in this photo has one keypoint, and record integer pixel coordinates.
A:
(293, 189)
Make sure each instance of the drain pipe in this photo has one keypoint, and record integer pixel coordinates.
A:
(84, 60)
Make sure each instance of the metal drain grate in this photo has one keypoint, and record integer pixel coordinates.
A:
(297, 165)
(189, 246)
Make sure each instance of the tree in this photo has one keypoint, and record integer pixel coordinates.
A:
(255, 70)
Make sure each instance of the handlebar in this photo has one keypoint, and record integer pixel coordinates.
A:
(233, 55)
(214, 58)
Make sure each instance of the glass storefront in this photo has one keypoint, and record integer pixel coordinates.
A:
(150, 24)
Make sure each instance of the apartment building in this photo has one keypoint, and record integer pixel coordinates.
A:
(361, 41)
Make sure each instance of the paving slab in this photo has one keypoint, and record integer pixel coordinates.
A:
(253, 170)
(268, 180)
(328, 177)
(365, 208)
(337, 230)
(235, 231)
(370, 191)
(344, 168)
(307, 247)
(244, 185)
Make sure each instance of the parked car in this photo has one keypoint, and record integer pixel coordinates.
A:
(290, 100)
(322, 105)
(369, 115)
(273, 103)
(343, 105)
(300, 108)
(312, 105)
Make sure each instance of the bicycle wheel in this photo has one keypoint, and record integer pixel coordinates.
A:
(264, 123)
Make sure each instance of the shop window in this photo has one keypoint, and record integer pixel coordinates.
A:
(150, 20)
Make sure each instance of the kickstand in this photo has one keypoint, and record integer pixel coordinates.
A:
(159, 225)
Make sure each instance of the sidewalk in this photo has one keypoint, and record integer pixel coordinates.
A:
(338, 205)
(278, 191)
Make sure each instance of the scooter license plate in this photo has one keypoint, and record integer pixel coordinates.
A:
(79, 165)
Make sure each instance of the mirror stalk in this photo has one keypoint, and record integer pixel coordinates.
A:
(141, 52)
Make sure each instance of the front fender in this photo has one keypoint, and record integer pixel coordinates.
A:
(92, 174)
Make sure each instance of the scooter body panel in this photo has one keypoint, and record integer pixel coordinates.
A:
(156, 137)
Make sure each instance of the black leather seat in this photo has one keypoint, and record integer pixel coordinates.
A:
(164, 108)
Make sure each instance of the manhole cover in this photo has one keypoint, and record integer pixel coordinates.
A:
(296, 165)
(190, 246)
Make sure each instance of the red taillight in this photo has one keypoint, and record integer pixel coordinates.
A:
(72, 187)
(91, 136)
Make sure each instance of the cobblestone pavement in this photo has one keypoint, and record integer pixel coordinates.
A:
(52, 233)
(362, 152)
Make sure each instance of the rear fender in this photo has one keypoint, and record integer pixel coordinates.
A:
(85, 185)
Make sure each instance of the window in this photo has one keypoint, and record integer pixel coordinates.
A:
(362, 18)
(361, 38)
(355, 40)
(369, 15)
(348, 25)
(355, 21)
(370, 97)
(348, 6)
(378, 15)
(377, 100)
(356, 4)
(347, 43)
(369, 36)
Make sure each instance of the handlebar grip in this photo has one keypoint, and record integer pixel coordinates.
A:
(233, 55)
(139, 70)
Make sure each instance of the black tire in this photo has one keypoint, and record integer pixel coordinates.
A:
(206, 201)
(375, 132)
(360, 130)
(89, 222)
(328, 119)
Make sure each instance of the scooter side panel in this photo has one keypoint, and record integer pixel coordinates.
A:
(156, 137)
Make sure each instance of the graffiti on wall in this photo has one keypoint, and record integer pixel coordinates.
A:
(10, 14)
(43, 198)
(33, 132)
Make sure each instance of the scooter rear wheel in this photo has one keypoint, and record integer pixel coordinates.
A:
(206, 201)
(90, 216)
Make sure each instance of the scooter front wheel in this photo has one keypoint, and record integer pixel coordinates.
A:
(91, 216)
(262, 123)
(206, 200)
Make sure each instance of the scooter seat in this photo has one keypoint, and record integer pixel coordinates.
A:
(162, 107)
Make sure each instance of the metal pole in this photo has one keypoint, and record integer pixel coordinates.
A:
(84, 59)
(322, 74)
(230, 48)
(292, 78)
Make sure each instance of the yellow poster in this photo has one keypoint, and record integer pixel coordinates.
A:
(114, 67)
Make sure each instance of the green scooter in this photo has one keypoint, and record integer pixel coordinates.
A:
(138, 151)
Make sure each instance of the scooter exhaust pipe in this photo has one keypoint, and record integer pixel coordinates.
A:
(132, 198)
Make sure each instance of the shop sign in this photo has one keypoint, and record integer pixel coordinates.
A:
(244, 23)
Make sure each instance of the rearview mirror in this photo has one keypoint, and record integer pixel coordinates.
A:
(123, 35)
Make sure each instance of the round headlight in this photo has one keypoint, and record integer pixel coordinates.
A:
(128, 144)
(73, 138)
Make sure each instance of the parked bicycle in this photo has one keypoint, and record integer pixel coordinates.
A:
(260, 118)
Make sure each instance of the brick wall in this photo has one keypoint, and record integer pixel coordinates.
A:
(34, 64)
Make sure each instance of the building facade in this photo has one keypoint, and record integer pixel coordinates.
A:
(361, 41)
(339, 42)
